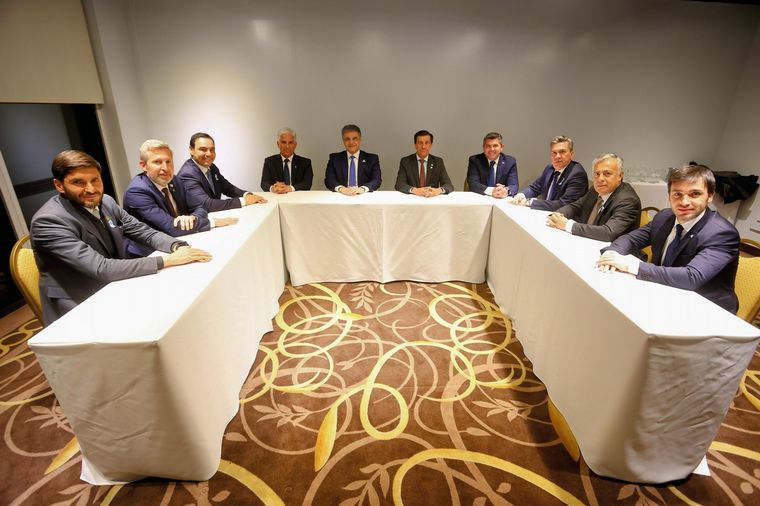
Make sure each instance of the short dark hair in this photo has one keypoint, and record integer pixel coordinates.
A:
(200, 135)
(71, 159)
(691, 173)
(423, 133)
(350, 128)
(493, 135)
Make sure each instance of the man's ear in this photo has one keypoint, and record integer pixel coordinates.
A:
(58, 185)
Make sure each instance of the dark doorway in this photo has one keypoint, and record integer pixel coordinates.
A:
(30, 137)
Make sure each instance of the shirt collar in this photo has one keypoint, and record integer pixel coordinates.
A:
(203, 169)
(357, 155)
(687, 225)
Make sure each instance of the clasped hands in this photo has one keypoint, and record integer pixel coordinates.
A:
(351, 190)
(611, 261)
(500, 191)
(280, 187)
(427, 191)
(556, 220)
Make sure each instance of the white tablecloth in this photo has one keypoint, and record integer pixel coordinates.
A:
(642, 372)
(148, 370)
(384, 236)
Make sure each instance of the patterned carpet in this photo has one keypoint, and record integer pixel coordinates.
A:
(369, 394)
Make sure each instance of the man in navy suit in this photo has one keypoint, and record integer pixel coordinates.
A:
(78, 239)
(203, 182)
(562, 182)
(608, 210)
(158, 199)
(352, 172)
(693, 247)
(492, 172)
(421, 173)
(286, 172)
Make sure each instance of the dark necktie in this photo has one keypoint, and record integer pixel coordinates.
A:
(670, 254)
(286, 172)
(492, 173)
(210, 180)
(172, 211)
(104, 223)
(552, 185)
(595, 211)
(423, 182)
(352, 172)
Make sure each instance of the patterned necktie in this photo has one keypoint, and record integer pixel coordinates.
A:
(352, 172)
(492, 173)
(670, 254)
(172, 211)
(423, 182)
(595, 211)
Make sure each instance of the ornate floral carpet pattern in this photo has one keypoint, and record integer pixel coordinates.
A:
(369, 394)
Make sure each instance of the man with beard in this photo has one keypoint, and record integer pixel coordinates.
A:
(78, 239)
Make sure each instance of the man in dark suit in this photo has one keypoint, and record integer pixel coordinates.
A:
(562, 182)
(352, 172)
(158, 199)
(492, 172)
(286, 172)
(78, 238)
(693, 247)
(608, 210)
(203, 182)
(423, 174)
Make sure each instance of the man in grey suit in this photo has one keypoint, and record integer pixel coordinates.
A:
(609, 209)
(423, 174)
(78, 239)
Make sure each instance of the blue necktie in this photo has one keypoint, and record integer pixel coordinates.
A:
(491, 174)
(352, 172)
(552, 185)
(286, 173)
(670, 254)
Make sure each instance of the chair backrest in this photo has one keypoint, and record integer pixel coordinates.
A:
(646, 216)
(747, 284)
(26, 275)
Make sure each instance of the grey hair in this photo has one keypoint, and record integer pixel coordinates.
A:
(561, 138)
(286, 130)
(152, 145)
(608, 156)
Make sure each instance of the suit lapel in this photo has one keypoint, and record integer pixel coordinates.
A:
(178, 197)
(658, 240)
(430, 173)
(88, 222)
(112, 227)
(689, 236)
(500, 167)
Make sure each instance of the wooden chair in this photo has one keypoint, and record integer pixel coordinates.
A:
(646, 216)
(26, 275)
(747, 284)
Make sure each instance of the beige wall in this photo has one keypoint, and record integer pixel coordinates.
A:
(653, 80)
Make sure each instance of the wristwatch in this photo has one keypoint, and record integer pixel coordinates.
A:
(178, 244)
